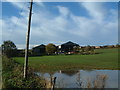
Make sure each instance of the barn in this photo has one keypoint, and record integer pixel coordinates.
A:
(68, 47)
(39, 50)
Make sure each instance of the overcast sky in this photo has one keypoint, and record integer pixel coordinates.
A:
(85, 23)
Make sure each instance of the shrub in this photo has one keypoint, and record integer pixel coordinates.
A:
(13, 76)
(9, 49)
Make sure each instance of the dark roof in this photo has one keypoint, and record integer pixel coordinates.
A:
(70, 43)
(40, 46)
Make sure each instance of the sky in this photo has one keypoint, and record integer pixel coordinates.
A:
(85, 23)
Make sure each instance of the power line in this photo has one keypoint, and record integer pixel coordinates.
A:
(22, 9)
(18, 18)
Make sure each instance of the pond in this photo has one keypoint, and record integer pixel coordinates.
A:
(71, 79)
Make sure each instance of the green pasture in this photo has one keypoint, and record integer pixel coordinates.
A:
(106, 59)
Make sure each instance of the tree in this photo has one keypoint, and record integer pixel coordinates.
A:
(117, 45)
(50, 48)
(76, 49)
(9, 49)
(88, 48)
(92, 49)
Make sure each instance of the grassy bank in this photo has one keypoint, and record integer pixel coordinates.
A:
(0, 72)
(106, 59)
(12, 74)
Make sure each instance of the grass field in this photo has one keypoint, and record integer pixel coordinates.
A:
(106, 59)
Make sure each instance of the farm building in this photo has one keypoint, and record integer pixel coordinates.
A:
(97, 47)
(68, 47)
(39, 50)
(64, 48)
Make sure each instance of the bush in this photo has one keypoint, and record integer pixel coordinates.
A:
(13, 76)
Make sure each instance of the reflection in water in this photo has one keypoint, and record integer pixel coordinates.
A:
(84, 78)
(69, 72)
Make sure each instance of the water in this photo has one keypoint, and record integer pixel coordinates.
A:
(68, 79)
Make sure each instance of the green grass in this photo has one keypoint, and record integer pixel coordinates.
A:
(0, 72)
(106, 59)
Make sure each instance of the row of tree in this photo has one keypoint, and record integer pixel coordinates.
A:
(84, 50)
(10, 50)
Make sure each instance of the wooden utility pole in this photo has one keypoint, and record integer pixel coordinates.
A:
(27, 42)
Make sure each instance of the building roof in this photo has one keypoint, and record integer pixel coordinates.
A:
(40, 46)
(70, 44)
